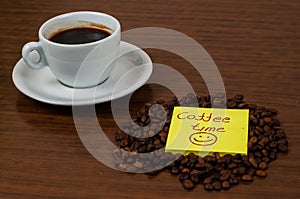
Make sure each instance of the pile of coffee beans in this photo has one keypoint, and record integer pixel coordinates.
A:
(141, 145)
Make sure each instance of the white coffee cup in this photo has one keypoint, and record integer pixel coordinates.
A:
(76, 65)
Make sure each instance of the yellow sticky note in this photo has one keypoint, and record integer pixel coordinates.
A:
(206, 130)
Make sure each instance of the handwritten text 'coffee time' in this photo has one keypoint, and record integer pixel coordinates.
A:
(202, 119)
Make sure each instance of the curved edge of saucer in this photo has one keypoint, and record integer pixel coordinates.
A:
(23, 89)
(73, 102)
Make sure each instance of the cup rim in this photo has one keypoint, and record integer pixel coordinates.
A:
(115, 32)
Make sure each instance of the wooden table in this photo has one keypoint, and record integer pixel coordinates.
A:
(255, 45)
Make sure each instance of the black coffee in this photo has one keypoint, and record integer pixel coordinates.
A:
(79, 35)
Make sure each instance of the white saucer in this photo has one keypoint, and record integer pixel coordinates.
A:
(132, 70)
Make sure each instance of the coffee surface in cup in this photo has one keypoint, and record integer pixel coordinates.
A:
(79, 35)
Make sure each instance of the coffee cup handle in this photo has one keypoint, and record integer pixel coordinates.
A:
(34, 46)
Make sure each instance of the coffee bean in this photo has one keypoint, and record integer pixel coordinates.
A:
(253, 140)
(184, 161)
(242, 170)
(235, 171)
(204, 174)
(267, 129)
(263, 165)
(225, 172)
(273, 155)
(237, 158)
(120, 135)
(222, 161)
(181, 167)
(185, 170)
(217, 185)
(188, 184)
(258, 154)
(273, 144)
(253, 162)
(122, 166)
(231, 104)
(247, 178)
(207, 180)
(138, 164)
(179, 159)
(123, 143)
(282, 148)
(253, 119)
(251, 172)
(218, 102)
(208, 187)
(195, 172)
(265, 153)
(259, 130)
(191, 165)
(264, 140)
(195, 179)
(131, 169)
(225, 177)
(200, 166)
(175, 170)
(283, 142)
(261, 123)
(157, 142)
(183, 176)
(267, 120)
(233, 181)
(163, 140)
(266, 114)
(130, 160)
(210, 159)
(266, 159)
(217, 155)
(225, 185)
(142, 149)
(239, 97)
(261, 173)
(215, 176)
(232, 165)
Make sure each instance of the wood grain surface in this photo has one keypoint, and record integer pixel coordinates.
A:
(255, 44)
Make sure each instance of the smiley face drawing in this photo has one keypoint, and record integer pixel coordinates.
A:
(203, 138)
